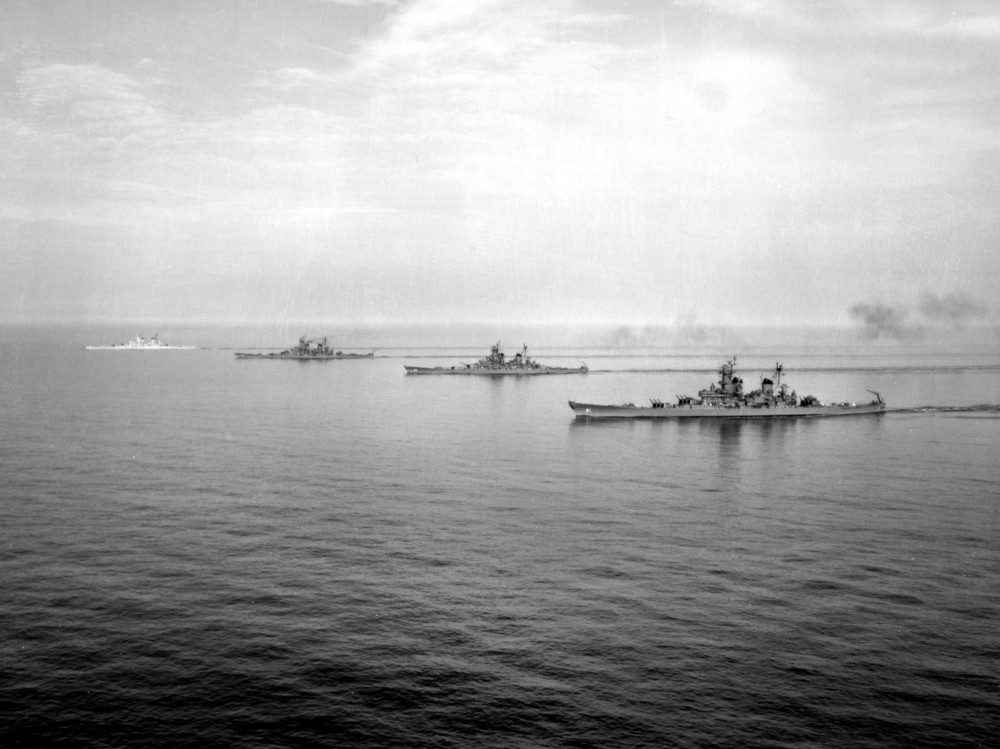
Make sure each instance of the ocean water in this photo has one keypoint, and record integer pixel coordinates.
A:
(200, 551)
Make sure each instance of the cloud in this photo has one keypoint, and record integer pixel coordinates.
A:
(982, 27)
(741, 8)
(594, 19)
(360, 3)
(94, 148)
(290, 78)
(87, 97)
(906, 19)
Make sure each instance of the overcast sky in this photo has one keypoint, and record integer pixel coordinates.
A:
(522, 160)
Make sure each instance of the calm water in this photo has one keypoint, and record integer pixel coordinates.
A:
(199, 551)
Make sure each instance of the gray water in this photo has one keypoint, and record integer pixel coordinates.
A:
(200, 551)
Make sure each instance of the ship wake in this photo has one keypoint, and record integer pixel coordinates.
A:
(988, 409)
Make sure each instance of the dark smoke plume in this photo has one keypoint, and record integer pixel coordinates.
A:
(685, 330)
(954, 309)
(934, 312)
(626, 337)
(882, 321)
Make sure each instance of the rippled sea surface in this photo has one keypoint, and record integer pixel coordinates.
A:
(200, 551)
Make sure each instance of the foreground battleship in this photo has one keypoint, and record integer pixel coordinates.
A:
(727, 400)
(141, 344)
(498, 364)
(304, 351)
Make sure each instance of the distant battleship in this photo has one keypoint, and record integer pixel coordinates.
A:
(141, 344)
(498, 364)
(306, 352)
(727, 400)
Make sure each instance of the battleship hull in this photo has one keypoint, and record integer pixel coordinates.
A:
(140, 343)
(498, 365)
(695, 411)
(124, 347)
(305, 357)
(487, 372)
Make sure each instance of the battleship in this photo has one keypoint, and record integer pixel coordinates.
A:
(140, 344)
(498, 364)
(306, 351)
(727, 399)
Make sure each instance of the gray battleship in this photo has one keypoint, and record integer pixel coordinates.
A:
(139, 343)
(727, 399)
(498, 364)
(305, 351)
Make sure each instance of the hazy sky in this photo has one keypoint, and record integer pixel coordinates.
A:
(521, 160)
